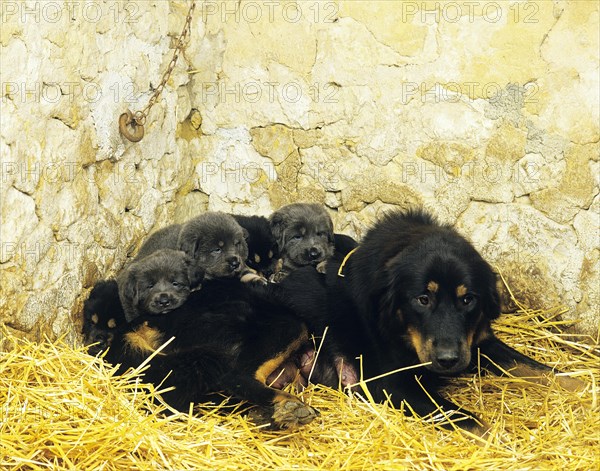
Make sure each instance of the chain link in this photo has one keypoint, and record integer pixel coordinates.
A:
(138, 119)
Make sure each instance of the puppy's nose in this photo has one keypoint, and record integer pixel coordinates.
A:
(447, 358)
(314, 253)
(164, 300)
(234, 263)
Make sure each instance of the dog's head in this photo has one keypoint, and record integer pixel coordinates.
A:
(263, 252)
(434, 293)
(160, 282)
(304, 234)
(217, 242)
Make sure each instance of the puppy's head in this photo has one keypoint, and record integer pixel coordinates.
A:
(304, 234)
(159, 282)
(263, 252)
(217, 242)
(437, 296)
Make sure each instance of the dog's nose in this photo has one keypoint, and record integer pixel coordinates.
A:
(314, 253)
(234, 263)
(447, 358)
(164, 300)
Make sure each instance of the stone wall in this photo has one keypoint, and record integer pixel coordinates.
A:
(485, 112)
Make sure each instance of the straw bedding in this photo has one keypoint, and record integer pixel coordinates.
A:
(64, 409)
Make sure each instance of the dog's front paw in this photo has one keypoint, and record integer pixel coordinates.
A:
(251, 277)
(291, 413)
(278, 277)
(322, 267)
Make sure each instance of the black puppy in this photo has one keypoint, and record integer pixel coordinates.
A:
(230, 339)
(157, 283)
(102, 314)
(304, 235)
(263, 252)
(414, 292)
(214, 240)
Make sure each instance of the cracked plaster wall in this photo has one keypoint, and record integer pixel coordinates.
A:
(486, 112)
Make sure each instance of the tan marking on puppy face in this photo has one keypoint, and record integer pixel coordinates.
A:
(256, 258)
(303, 230)
(270, 254)
(95, 318)
(265, 370)
(144, 339)
(433, 287)
(420, 344)
(221, 243)
(461, 290)
(473, 330)
(111, 323)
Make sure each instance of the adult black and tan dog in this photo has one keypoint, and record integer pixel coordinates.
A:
(413, 292)
(230, 339)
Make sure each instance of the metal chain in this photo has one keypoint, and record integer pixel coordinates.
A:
(137, 120)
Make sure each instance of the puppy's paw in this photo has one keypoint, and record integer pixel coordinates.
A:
(322, 267)
(291, 413)
(251, 277)
(278, 277)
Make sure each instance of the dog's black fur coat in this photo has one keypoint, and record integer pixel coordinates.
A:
(414, 291)
(230, 338)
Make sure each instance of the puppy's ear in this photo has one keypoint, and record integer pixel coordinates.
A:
(277, 221)
(188, 242)
(195, 272)
(130, 288)
(491, 297)
(245, 233)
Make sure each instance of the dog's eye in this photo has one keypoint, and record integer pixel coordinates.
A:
(175, 283)
(297, 237)
(423, 300)
(468, 299)
(216, 250)
(150, 285)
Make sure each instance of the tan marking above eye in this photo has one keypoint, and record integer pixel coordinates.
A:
(257, 258)
(221, 243)
(303, 230)
(111, 323)
(95, 318)
(433, 287)
(461, 290)
(270, 254)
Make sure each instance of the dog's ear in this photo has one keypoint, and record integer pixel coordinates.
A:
(130, 291)
(277, 221)
(188, 241)
(490, 297)
(195, 272)
(245, 233)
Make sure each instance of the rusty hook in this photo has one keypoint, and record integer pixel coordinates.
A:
(127, 122)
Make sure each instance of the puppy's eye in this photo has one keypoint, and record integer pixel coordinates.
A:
(150, 286)
(423, 300)
(297, 237)
(468, 299)
(216, 250)
(175, 283)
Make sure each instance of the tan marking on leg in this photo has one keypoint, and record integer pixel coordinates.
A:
(111, 323)
(95, 318)
(535, 375)
(265, 370)
(433, 287)
(144, 339)
(461, 290)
